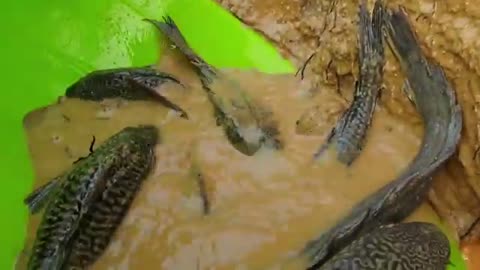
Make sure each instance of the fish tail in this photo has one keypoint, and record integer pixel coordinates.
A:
(378, 18)
(402, 39)
(371, 52)
(170, 29)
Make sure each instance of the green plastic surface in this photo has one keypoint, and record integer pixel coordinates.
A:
(47, 45)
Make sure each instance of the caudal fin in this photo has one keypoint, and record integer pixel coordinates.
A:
(370, 40)
(172, 32)
(402, 39)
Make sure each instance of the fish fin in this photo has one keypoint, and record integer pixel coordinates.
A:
(365, 34)
(322, 249)
(173, 33)
(153, 77)
(160, 98)
(353, 227)
(401, 39)
(36, 200)
(370, 35)
(55, 261)
(378, 18)
(318, 250)
(170, 29)
(407, 89)
(99, 180)
(325, 145)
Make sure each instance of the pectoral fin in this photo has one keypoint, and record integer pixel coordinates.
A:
(160, 98)
(325, 145)
(36, 200)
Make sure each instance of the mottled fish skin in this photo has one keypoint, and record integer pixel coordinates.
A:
(92, 199)
(350, 131)
(442, 117)
(232, 127)
(128, 83)
(403, 246)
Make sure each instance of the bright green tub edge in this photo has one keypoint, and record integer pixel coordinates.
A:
(46, 46)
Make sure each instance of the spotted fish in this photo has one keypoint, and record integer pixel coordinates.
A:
(349, 134)
(127, 83)
(247, 125)
(85, 205)
(414, 245)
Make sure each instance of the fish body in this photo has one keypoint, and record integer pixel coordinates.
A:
(350, 131)
(89, 201)
(234, 111)
(126, 83)
(403, 246)
(437, 105)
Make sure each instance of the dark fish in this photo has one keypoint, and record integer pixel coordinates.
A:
(202, 188)
(126, 83)
(437, 105)
(85, 205)
(234, 111)
(414, 245)
(349, 133)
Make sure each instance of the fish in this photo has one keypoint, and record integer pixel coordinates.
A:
(85, 205)
(442, 118)
(202, 188)
(130, 83)
(412, 245)
(349, 134)
(246, 124)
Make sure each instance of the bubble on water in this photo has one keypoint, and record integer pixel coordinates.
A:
(57, 139)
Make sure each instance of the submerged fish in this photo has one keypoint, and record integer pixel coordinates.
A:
(349, 133)
(199, 177)
(413, 245)
(85, 205)
(126, 83)
(437, 105)
(247, 125)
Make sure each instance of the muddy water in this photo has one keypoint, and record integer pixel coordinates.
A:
(471, 252)
(264, 208)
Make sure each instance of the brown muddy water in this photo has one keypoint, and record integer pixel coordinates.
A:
(263, 208)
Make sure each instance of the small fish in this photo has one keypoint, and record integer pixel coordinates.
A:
(247, 125)
(85, 205)
(202, 188)
(350, 131)
(414, 245)
(126, 83)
